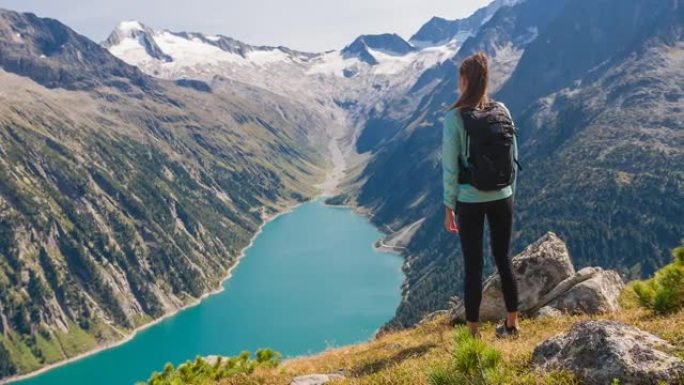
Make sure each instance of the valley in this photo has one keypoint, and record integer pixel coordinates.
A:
(267, 301)
(135, 171)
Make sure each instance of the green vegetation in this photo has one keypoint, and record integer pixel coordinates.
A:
(430, 354)
(664, 293)
(7, 368)
(474, 362)
(202, 372)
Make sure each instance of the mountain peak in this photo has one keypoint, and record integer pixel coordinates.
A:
(386, 43)
(129, 29)
(131, 25)
(438, 30)
(135, 31)
(54, 55)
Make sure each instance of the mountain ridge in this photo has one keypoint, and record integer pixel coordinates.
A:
(135, 203)
(414, 146)
(216, 120)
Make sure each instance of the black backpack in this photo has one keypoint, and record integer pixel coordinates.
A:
(490, 155)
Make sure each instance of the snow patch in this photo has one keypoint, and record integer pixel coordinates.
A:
(388, 64)
(131, 51)
(456, 40)
(332, 63)
(130, 26)
(267, 56)
(193, 51)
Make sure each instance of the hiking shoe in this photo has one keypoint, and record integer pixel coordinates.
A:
(505, 331)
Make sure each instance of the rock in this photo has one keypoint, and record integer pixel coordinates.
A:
(547, 312)
(563, 287)
(539, 268)
(546, 278)
(317, 379)
(598, 294)
(598, 352)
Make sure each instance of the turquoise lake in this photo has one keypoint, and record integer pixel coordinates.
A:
(310, 281)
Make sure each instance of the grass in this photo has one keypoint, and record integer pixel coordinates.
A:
(409, 357)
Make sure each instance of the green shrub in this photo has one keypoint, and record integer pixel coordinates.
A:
(201, 372)
(473, 362)
(664, 293)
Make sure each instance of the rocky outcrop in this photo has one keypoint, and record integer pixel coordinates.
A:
(597, 294)
(546, 277)
(598, 352)
(317, 379)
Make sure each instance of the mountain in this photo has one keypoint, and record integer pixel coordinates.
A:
(55, 56)
(346, 85)
(135, 33)
(364, 47)
(135, 41)
(137, 202)
(125, 197)
(438, 30)
(502, 39)
(596, 88)
(134, 172)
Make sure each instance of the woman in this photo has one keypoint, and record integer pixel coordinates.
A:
(479, 164)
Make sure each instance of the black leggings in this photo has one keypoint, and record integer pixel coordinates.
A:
(471, 228)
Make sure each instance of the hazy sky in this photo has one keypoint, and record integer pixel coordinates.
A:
(312, 25)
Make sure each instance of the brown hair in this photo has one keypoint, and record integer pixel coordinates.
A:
(475, 71)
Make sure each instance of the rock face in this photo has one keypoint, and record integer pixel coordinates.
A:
(546, 277)
(316, 379)
(598, 352)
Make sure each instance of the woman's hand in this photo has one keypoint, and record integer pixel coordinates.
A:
(450, 221)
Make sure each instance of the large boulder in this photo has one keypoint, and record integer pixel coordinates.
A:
(538, 269)
(546, 278)
(598, 352)
(598, 294)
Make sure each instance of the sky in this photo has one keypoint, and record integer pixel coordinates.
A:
(310, 25)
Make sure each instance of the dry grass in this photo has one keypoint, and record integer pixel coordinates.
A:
(405, 357)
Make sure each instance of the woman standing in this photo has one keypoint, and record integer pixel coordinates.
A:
(480, 166)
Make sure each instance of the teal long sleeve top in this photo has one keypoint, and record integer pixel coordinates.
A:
(453, 147)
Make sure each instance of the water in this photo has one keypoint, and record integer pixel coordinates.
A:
(310, 281)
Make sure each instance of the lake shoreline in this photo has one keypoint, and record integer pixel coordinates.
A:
(327, 188)
(103, 347)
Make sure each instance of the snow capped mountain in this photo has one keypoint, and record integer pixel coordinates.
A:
(372, 78)
(363, 72)
(130, 35)
(388, 44)
(181, 54)
(140, 45)
(439, 31)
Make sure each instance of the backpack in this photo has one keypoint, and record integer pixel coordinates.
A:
(490, 153)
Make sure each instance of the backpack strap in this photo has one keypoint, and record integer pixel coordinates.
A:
(515, 129)
(463, 163)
